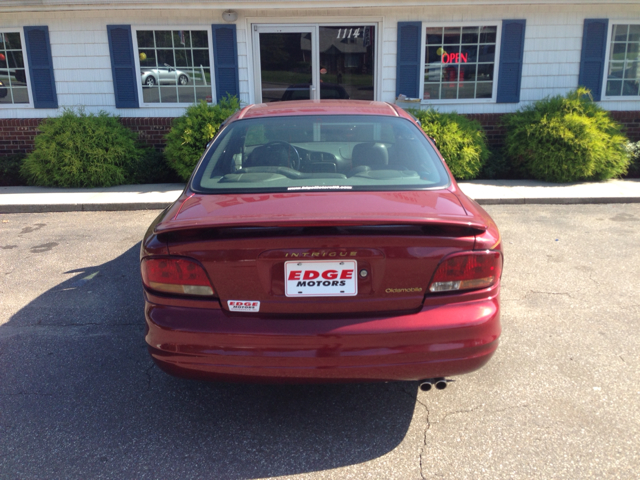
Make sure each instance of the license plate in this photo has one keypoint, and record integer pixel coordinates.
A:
(321, 278)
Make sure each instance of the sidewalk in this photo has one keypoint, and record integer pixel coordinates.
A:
(151, 197)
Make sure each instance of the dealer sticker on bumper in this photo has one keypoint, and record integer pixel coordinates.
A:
(321, 278)
(243, 305)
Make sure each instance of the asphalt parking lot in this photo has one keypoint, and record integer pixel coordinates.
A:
(80, 397)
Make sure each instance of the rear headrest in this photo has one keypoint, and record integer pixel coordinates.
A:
(370, 154)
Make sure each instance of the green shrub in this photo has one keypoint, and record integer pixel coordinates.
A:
(633, 149)
(152, 167)
(10, 171)
(461, 141)
(499, 167)
(192, 131)
(80, 150)
(566, 139)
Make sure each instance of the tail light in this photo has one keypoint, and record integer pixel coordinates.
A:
(176, 275)
(467, 271)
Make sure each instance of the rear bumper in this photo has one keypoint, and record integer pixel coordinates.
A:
(211, 344)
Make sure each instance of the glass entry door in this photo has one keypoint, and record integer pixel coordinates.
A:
(286, 63)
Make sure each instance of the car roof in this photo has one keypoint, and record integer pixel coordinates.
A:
(320, 107)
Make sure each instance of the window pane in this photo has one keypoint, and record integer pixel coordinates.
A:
(631, 70)
(634, 33)
(18, 78)
(165, 57)
(163, 39)
(434, 36)
(13, 76)
(485, 71)
(186, 95)
(183, 58)
(484, 90)
(433, 73)
(20, 95)
(452, 35)
(488, 34)
(470, 34)
(201, 76)
(147, 57)
(203, 93)
(12, 41)
(199, 39)
(145, 39)
(15, 59)
(633, 51)
(411, 163)
(487, 53)
(5, 95)
(169, 94)
(168, 74)
(465, 56)
(471, 52)
(347, 62)
(467, 90)
(151, 94)
(614, 87)
(618, 51)
(620, 33)
(182, 39)
(431, 91)
(468, 72)
(433, 54)
(630, 88)
(201, 58)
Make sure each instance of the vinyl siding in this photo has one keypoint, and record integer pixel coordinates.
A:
(82, 66)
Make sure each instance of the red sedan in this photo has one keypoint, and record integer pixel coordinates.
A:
(322, 242)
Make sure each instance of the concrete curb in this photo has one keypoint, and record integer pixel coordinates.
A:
(83, 207)
(556, 201)
(123, 207)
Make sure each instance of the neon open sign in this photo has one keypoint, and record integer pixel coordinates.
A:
(455, 57)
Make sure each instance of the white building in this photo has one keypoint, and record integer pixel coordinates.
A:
(149, 59)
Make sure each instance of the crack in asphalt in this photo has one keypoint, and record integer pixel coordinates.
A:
(45, 325)
(424, 433)
(480, 407)
(31, 393)
(148, 374)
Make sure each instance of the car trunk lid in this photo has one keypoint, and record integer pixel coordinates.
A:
(392, 241)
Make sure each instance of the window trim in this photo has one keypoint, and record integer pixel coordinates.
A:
(496, 67)
(136, 59)
(607, 54)
(20, 30)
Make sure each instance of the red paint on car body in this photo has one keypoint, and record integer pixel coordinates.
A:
(393, 329)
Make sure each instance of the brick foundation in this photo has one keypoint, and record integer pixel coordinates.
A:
(17, 135)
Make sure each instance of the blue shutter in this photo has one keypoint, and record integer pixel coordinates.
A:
(123, 66)
(225, 60)
(43, 83)
(594, 46)
(511, 55)
(408, 59)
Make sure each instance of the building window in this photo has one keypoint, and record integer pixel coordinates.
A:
(623, 74)
(13, 74)
(175, 66)
(460, 62)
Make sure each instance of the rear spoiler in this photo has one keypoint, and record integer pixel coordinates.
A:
(428, 227)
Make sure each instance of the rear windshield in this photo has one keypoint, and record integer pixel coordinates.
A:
(307, 153)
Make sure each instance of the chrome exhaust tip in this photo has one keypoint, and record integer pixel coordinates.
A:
(425, 386)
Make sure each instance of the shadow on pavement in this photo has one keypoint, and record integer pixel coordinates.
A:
(80, 398)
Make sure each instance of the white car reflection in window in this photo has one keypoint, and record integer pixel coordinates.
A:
(166, 75)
